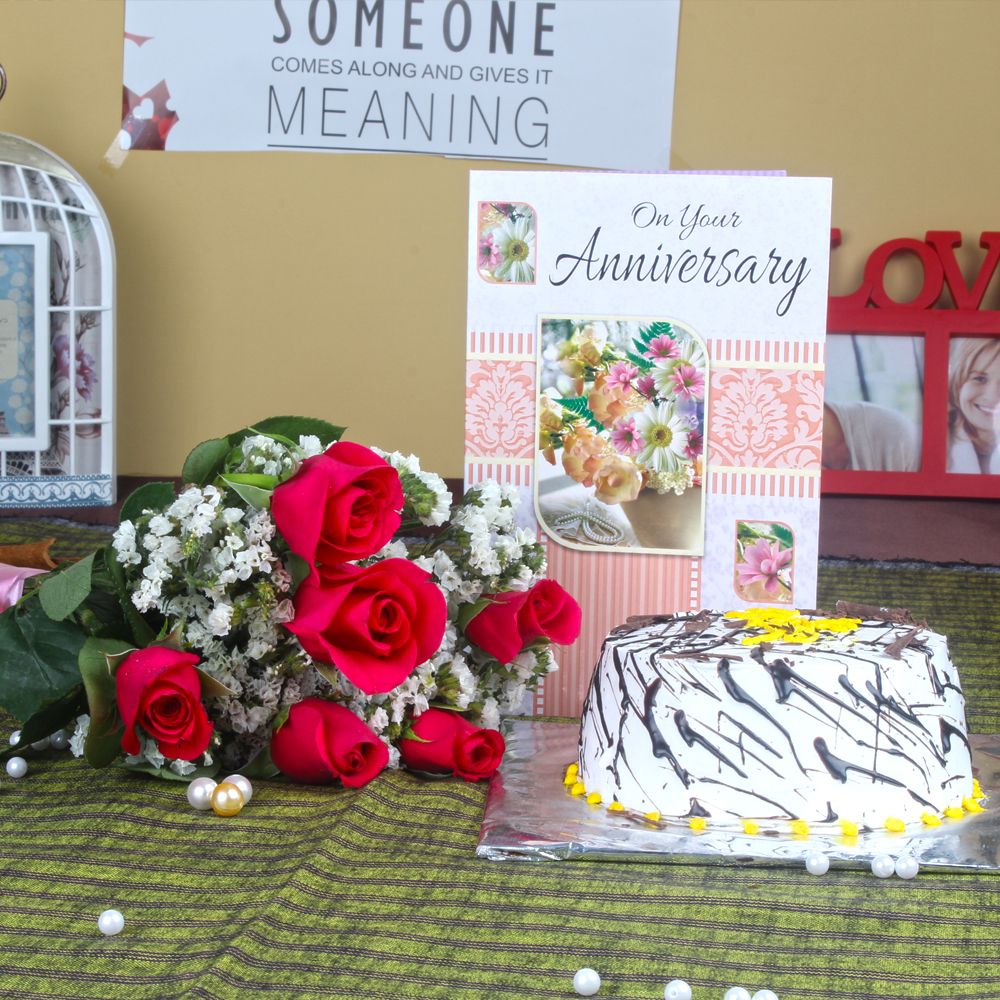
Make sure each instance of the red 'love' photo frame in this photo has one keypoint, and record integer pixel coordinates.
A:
(913, 388)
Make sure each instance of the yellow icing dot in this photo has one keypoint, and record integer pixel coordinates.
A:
(577, 789)
(800, 828)
(594, 799)
(895, 825)
(971, 805)
(570, 779)
(848, 829)
(930, 819)
(573, 769)
(697, 823)
(977, 789)
(616, 807)
(954, 812)
(750, 827)
(653, 817)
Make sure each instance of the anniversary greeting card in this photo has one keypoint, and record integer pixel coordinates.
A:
(645, 365)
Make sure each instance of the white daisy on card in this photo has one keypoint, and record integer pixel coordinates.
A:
(665, 434)
(515, 241)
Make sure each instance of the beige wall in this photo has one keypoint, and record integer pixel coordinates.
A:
(333, 285)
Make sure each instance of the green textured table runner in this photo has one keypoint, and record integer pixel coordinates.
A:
(377, 893)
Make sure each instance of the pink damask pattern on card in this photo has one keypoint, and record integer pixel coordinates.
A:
(500, 408)
(762, 418)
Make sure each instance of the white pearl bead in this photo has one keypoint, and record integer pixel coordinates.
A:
(765, 995)
(817, 863)
(42, 744)
(586, 982)
(15, 737)
(677, 989)
(243, 784)
(199, 793)
(737, 993)
(883, 866)
(110, 922)
(17, 767)
(907, 866)
(59, 740)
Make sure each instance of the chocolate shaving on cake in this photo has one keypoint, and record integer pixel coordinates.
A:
(634, 622)
(895, 648)
(872, 612)
(696, 654)
(700, 622)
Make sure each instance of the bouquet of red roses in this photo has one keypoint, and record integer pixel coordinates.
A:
(303, 604)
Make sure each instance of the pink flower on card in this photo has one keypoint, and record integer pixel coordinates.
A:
(663, 348)
(489, 255)
(688, 382)
(621, 374)
(762, 562)
(646, 386)
(695, 444)
(625, 439)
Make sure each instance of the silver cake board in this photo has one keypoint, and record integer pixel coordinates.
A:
(531, 816)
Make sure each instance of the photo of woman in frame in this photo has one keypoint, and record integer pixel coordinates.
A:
(974, 405)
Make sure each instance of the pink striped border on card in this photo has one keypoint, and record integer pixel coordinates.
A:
(497, 344)
(768, 353)
(515, 473)
(769, 483)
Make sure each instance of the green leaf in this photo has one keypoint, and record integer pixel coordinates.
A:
(298, 569)
(174, 639)
(469, 611)
(205, 461)
(578, 406)
(293, 427)
(38, 659)
(167, 774)
(257, 479)
(330, 672)
(62, 593)
(260, 765)
(640, 361)
(99, 658)
(211, 687)
(784, 535)
(55, 715)
(253, 495)
(149, 496)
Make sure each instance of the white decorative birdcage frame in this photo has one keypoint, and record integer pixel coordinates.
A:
(71, 394)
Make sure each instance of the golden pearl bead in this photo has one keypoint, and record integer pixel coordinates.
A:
(227, 799)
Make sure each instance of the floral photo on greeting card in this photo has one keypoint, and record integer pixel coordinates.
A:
(764, 562)
(621, 431)
(507, 242)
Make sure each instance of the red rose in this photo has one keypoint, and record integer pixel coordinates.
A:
(341, 505)
(373, 623)
(494, 629)
(550, 613)
(322, 741)
(160, 691)
(515, 619)
(452, 745)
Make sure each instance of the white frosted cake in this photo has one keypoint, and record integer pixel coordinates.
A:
(774, 715)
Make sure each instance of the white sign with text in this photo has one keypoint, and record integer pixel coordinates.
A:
(580, 82)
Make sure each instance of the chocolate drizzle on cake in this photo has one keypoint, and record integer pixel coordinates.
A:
(680, 712)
